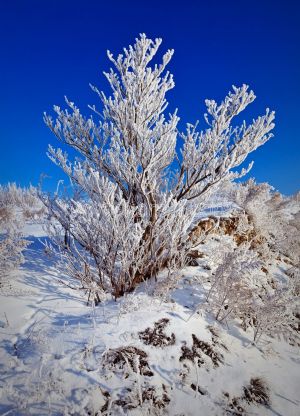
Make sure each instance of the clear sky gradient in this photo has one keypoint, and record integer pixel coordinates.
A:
(54, 48)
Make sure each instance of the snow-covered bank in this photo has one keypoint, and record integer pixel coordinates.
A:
(61, 357)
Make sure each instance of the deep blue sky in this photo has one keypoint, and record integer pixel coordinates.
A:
(54, 48)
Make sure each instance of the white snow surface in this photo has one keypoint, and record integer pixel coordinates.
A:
(53, 349)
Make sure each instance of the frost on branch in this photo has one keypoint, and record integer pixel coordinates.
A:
(209, 156)
(140, 194)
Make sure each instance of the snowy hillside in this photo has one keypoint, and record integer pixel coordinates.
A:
(153, 352)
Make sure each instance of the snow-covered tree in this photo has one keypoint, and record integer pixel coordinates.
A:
(12, 242)
(232, 283)
(268, 219)
(289, 244)
(141, 189)
(274, 313)
(26, 201)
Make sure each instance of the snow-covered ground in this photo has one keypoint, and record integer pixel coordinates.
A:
(59, 356)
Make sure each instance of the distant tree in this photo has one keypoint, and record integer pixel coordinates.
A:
(269, 218)
(274, 313)
(231, 287)
(142, 194)
(26, 201)
(12, 242)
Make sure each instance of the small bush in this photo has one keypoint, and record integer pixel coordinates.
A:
(151, 398)
(195, 354)
(157, 336)
(256, 392)
(118, 358)
(216, 341)
(233, 406)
